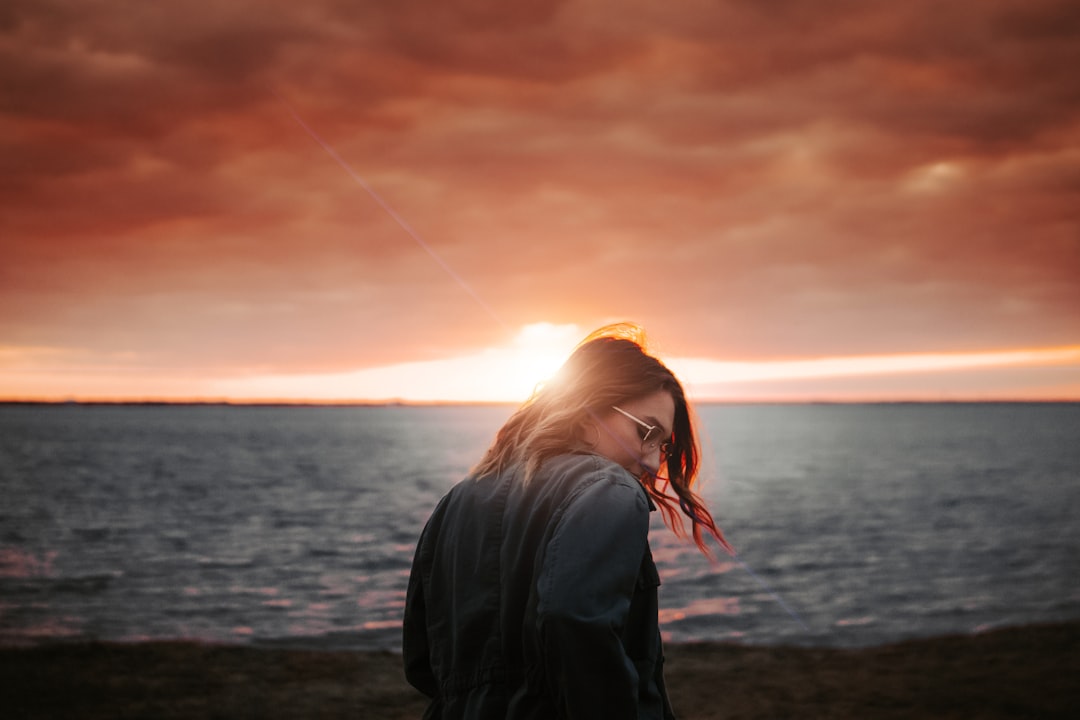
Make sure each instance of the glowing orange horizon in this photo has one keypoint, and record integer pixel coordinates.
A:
(508, 374)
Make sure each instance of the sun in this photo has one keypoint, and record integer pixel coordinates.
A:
(537, 351)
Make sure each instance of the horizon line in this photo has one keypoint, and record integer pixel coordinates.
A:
(286, 402)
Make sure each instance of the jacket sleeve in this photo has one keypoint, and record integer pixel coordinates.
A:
(415, 647)
(585, 585)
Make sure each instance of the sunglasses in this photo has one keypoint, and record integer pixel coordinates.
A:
(652, 436)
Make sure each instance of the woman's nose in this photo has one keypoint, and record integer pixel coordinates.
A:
(650, 459)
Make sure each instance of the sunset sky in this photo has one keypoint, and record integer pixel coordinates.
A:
(800, 200)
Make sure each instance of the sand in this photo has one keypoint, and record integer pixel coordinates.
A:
(1026, 672)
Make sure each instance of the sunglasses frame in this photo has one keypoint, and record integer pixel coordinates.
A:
(665, 446)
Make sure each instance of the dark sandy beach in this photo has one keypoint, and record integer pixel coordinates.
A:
(1026, 672)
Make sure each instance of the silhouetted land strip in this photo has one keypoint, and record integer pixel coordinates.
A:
(513, 404)
(1026, 672)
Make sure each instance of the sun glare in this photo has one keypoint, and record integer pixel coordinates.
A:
(537, 352)
(499, 374)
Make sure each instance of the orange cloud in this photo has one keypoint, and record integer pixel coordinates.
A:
(751, 181)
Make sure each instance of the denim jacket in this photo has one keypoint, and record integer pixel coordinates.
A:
(538, 600)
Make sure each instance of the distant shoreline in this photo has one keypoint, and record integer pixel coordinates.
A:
(1027, 671)
(511, 404)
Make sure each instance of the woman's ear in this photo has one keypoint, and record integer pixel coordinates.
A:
(590, 434)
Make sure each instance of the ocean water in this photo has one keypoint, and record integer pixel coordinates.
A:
(855, 524)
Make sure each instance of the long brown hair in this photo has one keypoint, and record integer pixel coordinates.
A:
(609, 367)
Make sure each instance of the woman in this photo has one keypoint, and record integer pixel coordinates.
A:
(533, 592)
